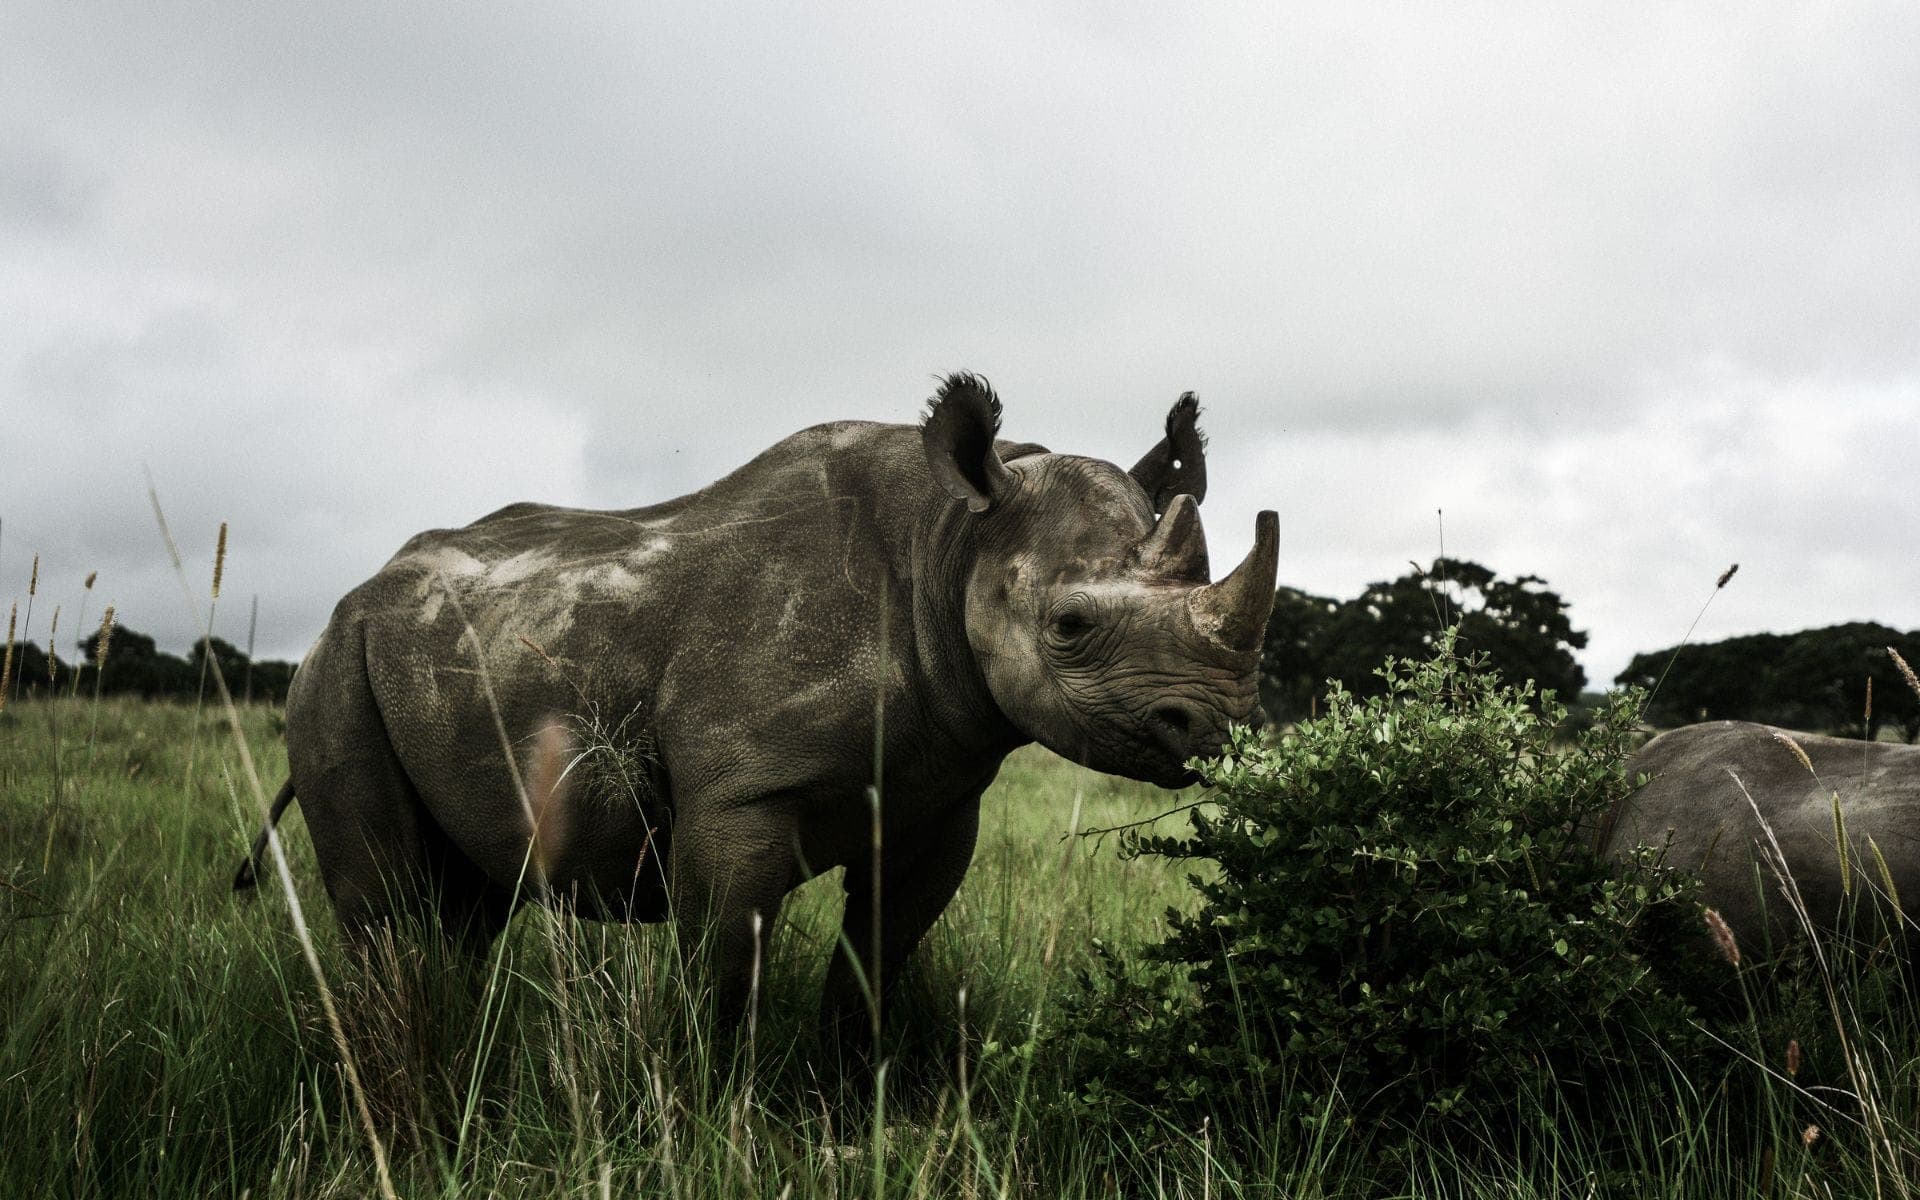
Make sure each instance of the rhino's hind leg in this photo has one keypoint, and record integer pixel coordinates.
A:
(387, 863)
(384, 859)
(726, 878)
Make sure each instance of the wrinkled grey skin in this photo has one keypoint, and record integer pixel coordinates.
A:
(1692, 795)
(980, 594)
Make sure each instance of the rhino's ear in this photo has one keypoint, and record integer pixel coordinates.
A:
(962, 419)
(1178, 465)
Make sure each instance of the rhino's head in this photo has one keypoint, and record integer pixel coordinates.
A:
(1089, 606)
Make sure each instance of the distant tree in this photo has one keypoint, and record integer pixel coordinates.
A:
(1520, 625)
(29, 678)
(1816, 680)
(136, 666)
(231, 660)
(1829, 671)
(1294, 657)
(1711, 681)
(271, 678)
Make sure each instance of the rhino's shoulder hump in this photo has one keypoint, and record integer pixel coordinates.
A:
(837, 459)
(518, 510)
(1707, 746)
(817, 446)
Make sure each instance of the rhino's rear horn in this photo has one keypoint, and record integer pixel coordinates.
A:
(1234, 611)
(1176, 547)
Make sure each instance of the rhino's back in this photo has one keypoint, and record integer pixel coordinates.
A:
(697, 612)
(1697, 800)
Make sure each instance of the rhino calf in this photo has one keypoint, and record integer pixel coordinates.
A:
(1696, 802)
(918, 599)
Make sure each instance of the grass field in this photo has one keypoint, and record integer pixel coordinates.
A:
(159, 1037)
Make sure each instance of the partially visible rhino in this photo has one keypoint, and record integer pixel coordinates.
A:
(930, 589)
(1700, 777)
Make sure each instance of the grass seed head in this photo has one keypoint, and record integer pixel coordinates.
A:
(1793, 1056)
(1799, 753)
(1727, 575)
(91, 576)
(1723, 936)
(219, 560)
(53, 655)
(100, 642)
(6, 664)
(33, 582)
(1906, 672)
(1809, 1135)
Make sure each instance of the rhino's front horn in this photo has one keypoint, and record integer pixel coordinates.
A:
(1234, 611)
(1176, 547)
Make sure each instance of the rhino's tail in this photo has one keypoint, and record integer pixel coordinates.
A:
(248, 874)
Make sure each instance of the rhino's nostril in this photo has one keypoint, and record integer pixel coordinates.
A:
(1180, 728)
(1175, 716)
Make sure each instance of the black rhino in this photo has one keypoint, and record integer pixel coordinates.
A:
(933, 590)
(1700, 777)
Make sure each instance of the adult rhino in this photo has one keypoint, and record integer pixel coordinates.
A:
(860, 599)
(1695, 802)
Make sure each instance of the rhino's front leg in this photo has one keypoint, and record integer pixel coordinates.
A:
(917, 879)
(726, 870)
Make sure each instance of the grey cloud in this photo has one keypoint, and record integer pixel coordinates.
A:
(353, 270)
(39, 189)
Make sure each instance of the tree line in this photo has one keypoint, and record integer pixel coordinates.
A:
(1839, 679)
(134, 665)
(1520, 625)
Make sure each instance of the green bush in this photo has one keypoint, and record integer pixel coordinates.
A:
(1403, 925)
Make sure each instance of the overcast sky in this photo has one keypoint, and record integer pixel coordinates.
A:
(1632, 292)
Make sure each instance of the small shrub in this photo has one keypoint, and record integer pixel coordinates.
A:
(1403, 926)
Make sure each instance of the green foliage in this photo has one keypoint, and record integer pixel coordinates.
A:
(1519, 625)
(1816, 679)
(1403, 923)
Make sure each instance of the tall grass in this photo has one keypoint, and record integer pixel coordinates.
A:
(159, 1037)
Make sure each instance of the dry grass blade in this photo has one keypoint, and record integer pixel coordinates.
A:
(1886, 876)
(1725, 576)
(1884, 1160)
(86, 594)
(206, 645)
(383, 1175)
(100, 643)
(6, 665)
(26, 627)
(1841, 847)
(570, 1055)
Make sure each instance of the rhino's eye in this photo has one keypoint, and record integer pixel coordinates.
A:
(1071, 626)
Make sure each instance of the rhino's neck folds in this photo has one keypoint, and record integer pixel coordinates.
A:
(946, 545)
